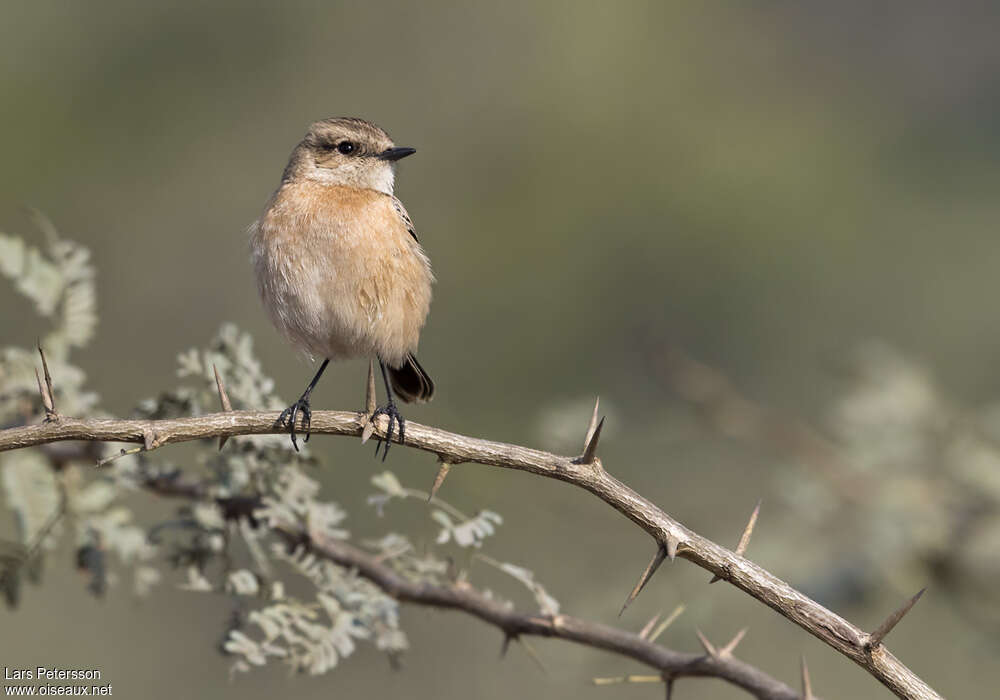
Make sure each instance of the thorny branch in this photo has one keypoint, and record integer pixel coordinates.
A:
(463, 597)
(513, 624)
(585, 471)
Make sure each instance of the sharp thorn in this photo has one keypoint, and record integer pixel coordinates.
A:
(370, 406)
(530, 651)
(505, 645)
(590, 451)
(46, 401)
(706, 645)
(666, 623)
(45, 365)
(370, 399)
(648, 627)
(672, 545)
(48, 395)
(223, 399)
(438, 480)
(748, 530)
(876, 637)
(642, 678)
(741, 546)
(223, 396)
(593, 424)
(367, 431)
(654, 564)
(48, 377)
(729, 648)
(611, 680)
(807, 693)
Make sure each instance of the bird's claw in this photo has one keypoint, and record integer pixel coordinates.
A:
(395, 418)
(290, 415)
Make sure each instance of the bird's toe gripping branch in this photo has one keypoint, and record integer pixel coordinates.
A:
(291, 415)
(395, 418)
(390, 410)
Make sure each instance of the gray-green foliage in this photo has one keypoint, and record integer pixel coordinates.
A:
(288, 605)
(915, 489)
(59, 281)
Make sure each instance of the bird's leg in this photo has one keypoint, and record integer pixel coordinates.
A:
(290, 414)
(394, 416)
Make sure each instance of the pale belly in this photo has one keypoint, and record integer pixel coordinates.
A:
(332, 300)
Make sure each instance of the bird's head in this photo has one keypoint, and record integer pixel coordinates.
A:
(348, 152)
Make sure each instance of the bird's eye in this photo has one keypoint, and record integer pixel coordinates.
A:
(345, 147)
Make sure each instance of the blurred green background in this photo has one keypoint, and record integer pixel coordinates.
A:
(763, 185)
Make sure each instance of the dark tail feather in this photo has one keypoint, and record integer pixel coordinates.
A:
(410, 382)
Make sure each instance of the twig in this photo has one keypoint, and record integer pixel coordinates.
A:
(24, 554)
(453, 448)
(46, 529)
(513, 624)
(103, 462)
(516, 625)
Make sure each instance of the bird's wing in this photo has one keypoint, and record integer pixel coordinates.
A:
(405, 218)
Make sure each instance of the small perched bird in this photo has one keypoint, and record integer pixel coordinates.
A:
(338, 264)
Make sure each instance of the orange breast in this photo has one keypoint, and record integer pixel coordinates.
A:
(354, 280)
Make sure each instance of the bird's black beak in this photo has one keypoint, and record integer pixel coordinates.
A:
(394, 154)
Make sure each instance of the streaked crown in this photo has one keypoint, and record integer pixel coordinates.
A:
(346, 151)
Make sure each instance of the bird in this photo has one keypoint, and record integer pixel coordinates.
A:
(339, 267)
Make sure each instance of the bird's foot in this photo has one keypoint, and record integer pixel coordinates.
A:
(291, 414)
(394, 418)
